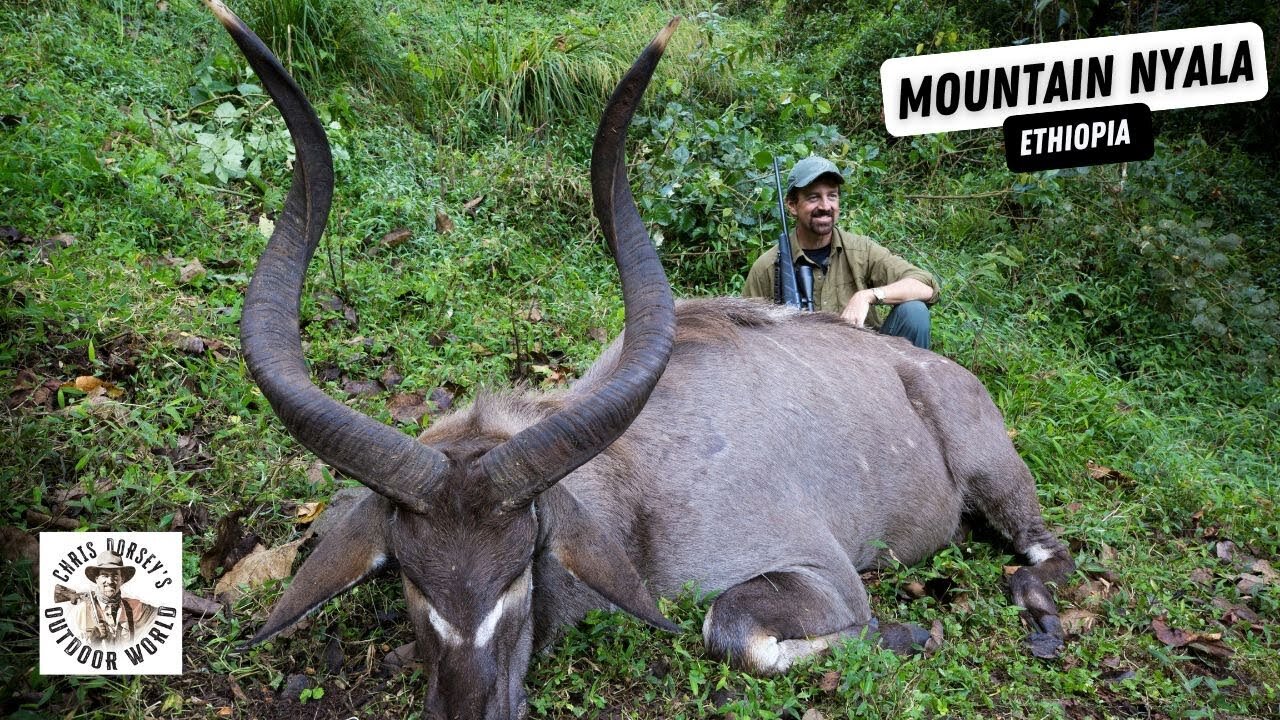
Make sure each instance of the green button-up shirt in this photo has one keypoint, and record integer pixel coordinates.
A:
(856, 263)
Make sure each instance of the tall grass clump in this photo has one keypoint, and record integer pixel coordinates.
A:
(344, 38)
(498, 74)
(522, 79)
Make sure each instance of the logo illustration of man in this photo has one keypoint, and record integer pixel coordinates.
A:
(103, 616)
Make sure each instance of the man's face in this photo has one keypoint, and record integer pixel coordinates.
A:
(816, 207)
(109, 584)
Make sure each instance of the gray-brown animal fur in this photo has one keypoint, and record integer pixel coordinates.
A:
(703, 447)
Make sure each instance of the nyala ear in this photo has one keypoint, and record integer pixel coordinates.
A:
(595, 557)
(354, 550)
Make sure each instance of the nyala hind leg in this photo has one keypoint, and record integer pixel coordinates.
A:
(766, 624)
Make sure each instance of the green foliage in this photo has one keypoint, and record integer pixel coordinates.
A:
(232, 131)
(705, 180)
(842, 48)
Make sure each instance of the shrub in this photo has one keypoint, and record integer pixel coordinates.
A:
(705, 182)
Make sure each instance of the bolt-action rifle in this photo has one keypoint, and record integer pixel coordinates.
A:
(785, 289)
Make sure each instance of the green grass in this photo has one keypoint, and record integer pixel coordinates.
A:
(1088, 354)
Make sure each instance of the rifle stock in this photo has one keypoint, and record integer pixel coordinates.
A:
(62, 593)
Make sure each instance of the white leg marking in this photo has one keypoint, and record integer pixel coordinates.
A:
(771, 657)
(1038, 554)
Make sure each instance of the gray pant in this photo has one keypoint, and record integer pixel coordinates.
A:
(909, 320)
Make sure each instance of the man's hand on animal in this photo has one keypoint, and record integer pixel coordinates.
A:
(896, 293)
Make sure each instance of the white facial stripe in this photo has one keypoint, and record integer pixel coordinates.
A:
(484, 633)
(513, 596)
(448, 634)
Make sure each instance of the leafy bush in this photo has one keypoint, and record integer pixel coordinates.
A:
(229, 114)
(705, 182)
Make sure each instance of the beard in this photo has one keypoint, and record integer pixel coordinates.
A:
(821, 224)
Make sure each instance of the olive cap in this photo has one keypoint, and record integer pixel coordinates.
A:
(810, 169)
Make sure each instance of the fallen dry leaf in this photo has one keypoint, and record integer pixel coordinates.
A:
(830, 681)
(191, 271)
(598, 334)
(17, 545)
(1107, 554)
(1213, 647)
(1170, 636)
(1202, 576)
(1224, 550)
(401, 659)
(63, 497)
(1264, 569)
(336, 304)
(396, 238)
(1107, 475)
(391, 377)
(256, 568)
(316, 472)
(1233, 614)
(33, 390)
(407, 407)
(936, 636)
(1077, 621)
(237, 690)
(442, 398)
(470, 206)
(10, 235)
(813, 714)
(188, 343)
(444, 225)
(1210, 644)
(230, 544)
(1092, 593)
(307, 512)
(914, 589)
(194, 605)
(551, 374)
(1250, 584)
(61, 241)
(361, 388)
(39, 520)
(534, 313)
(94, 387)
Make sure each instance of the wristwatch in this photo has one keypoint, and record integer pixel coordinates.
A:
(879, 293)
